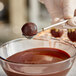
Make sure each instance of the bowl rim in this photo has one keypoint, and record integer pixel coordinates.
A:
(19, 39)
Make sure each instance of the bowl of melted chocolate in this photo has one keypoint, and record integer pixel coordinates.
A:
(25, 57)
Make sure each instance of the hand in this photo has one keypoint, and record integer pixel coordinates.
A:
(61, 9)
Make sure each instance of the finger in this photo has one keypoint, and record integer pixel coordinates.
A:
(75, 13)
(72, 22)
(42, 1)
(54, 10)
(68, 9)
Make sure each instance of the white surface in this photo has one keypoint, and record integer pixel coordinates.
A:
(71, 73)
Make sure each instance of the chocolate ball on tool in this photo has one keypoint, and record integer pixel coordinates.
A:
(29, 30)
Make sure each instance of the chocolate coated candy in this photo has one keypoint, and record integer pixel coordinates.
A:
(29, 29)
(72, 35)
(56, 32)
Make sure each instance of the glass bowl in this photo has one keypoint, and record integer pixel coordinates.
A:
(55, 69)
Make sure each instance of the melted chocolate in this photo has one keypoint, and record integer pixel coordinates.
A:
(37, 56)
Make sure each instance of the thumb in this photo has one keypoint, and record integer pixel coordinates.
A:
(68, 9)
(60, 26)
